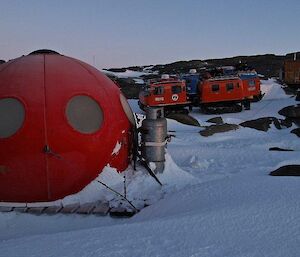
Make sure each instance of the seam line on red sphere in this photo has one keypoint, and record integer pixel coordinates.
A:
(46, 132)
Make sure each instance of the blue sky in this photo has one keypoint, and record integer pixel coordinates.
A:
(120, 33)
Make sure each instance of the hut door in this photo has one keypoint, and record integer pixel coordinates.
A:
(72, 119)
(23, 176)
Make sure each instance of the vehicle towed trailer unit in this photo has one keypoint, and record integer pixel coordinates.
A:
(221, 94)
(251, 85)
(169, 93)
(192, 81)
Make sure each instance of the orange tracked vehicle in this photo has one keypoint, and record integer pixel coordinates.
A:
(221, 94)
(168, 92)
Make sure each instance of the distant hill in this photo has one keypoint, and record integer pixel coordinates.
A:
(267, 65)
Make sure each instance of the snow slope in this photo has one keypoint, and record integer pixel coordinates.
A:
(126, 74)
(217, 200)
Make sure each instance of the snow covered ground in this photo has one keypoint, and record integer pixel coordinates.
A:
(217, 200)
(126, 74)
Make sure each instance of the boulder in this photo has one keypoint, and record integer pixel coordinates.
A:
(117, 69)
(262, 124)
(129, 88)
(289, 91)
(287, 122)
(216, 120)
(183, 118)
(280, 149)
(288, 170)
(298, 96)
(292, 111)
(296, 132)
(220, 128)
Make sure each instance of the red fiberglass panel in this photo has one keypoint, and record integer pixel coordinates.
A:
(48, 158)
(78, 158)
(23, 174)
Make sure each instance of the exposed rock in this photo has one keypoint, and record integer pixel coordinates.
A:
(117, 69)
(216, 120)
(220, 128)
(280, 149)
(288, 170)
(298, 96)
(296, 132)
(183, 118)
(268, 64)
(296, 121)
(150, 76)
(129, 88)
(2, 61)
(287, 122)
(292, 111)
(289, 90)
(262, 124)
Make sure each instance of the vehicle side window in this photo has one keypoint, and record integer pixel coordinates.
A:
(215, 88)
(229, 87)
(158, 91)
(176, 89)
(251, 83)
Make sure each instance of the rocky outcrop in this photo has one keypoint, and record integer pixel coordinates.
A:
(280, 149)
(264, 124)
(129, 88)
(292, 111)
(298, 96)
(288, 170)
(296, 132)
(216, 120)
(220, 128)
(183, 118)
(269, 64)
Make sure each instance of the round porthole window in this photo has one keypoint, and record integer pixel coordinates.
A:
(127, 109)
(84, 114)
(12, 115)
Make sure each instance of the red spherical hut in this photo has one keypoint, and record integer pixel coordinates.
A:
(61, 122)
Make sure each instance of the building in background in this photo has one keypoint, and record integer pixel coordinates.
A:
(290, 73)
